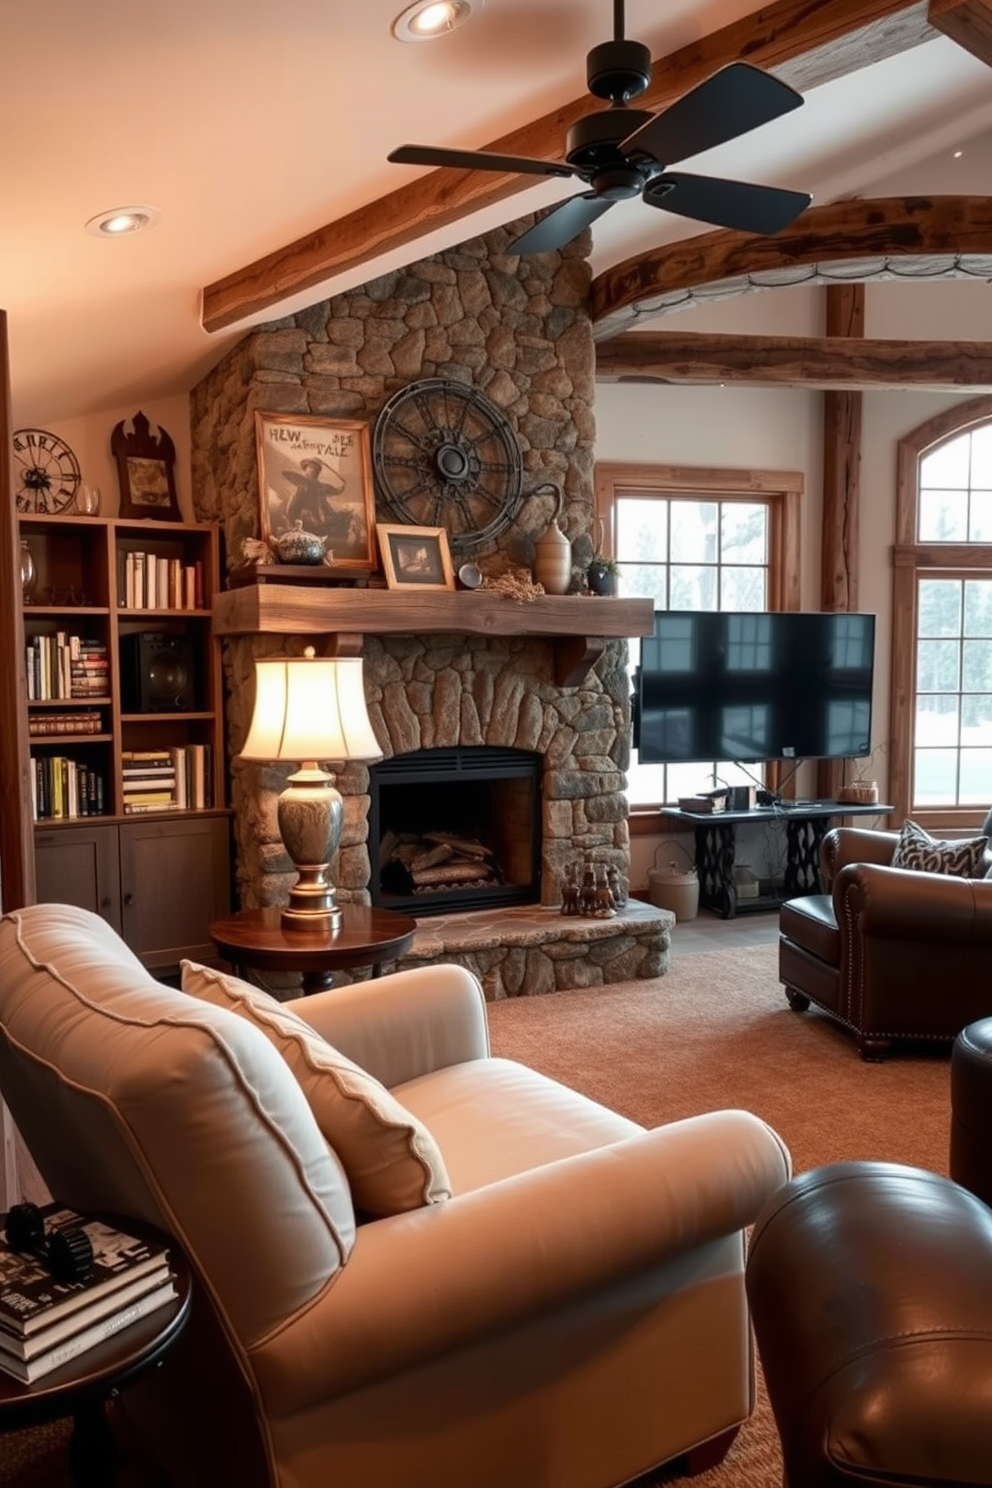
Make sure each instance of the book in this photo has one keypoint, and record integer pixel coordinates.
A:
(29, 1370)
(104, 1307)
(30, 1297)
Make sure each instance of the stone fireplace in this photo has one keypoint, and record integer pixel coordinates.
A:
(547, 678)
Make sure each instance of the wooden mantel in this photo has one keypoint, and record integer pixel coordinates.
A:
(578, 624)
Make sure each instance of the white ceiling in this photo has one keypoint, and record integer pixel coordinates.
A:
(248, 124)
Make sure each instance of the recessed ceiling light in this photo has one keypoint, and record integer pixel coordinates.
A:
(428, 19)
(958, 154)
(122, 221)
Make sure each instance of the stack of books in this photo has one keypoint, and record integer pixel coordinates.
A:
(148, 780)
(44, 1323)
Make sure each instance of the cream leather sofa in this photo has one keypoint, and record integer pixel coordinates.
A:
(573, 1314)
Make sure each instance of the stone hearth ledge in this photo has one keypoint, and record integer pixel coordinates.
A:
(530, 949)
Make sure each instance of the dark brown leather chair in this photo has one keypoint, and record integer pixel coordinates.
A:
(892, 953)
(870, 1286)
(971, 1109)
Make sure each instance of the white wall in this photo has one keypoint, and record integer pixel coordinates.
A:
(89, 439)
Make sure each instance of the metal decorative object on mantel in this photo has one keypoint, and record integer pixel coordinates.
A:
(444, 455)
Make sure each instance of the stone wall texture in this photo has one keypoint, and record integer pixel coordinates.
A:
(518, 329)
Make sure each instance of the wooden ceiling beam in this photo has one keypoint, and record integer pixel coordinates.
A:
(967, 22)
(825, 362)
(804, 44)
(954, 233)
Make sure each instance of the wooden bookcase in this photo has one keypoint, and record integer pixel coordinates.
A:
(161, 875)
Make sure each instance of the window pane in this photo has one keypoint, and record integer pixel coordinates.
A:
(937, 720)
(939, 607)
(642, 529)
(976, 666)
(937, 666)
(978, 607)
(976, 772)
(980, 520)
(742, 588)
(692, 588)
(943, 516)
(744, 533)
(981, 456)
(645, 582)
(935, 777)
(694, 531)
(948, 464)
(976, 722)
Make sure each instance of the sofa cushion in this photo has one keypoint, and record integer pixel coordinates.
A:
(392, 1161)
(917, 849)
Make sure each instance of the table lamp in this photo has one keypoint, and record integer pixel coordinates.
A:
(308, 709)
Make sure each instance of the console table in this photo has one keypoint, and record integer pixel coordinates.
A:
(806, 824)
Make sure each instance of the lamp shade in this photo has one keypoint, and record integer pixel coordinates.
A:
(310, 708)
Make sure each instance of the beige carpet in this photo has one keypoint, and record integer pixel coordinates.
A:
(715, 1032)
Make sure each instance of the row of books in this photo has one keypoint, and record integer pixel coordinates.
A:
(63, 665)
(64, 788)
(76, 721)
(44, 1323)
(151, 581)
(178, 778)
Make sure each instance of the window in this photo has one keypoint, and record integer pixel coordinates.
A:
(700, 540)
(942, 620)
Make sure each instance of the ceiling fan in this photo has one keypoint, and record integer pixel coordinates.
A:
(622, 152)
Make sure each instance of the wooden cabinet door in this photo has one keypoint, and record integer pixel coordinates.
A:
(80, 865)
(175, 881)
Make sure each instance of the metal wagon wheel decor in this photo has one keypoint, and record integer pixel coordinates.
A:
(445, 456)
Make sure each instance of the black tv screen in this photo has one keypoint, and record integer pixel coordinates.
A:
(722, 685)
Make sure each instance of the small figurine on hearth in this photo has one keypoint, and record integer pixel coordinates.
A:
(570, 891)
(618, 889)
(603, 901)
(587, 894)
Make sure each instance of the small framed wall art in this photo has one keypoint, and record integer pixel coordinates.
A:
(315, 475)
(146, 462)
(415, 557)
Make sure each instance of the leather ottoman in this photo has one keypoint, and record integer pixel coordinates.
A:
(971, 1108)
(870, 1287)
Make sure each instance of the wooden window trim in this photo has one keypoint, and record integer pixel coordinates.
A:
(909, 559)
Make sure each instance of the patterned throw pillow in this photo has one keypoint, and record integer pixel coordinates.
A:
(392, 1161)
(917, 849)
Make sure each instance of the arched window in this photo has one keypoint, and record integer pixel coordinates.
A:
(941, 772)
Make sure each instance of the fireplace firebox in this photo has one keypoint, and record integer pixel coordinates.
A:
(455, 829)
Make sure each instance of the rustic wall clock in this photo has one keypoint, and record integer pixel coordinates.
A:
(46, 472)
(445, 456)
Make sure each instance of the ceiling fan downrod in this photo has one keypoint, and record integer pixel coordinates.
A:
(618, 70)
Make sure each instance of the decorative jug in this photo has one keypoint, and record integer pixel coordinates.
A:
(552, 550)
(298, 546)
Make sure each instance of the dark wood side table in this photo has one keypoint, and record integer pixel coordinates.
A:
(82, 1387)
(367, 937)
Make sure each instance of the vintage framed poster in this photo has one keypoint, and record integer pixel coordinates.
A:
(315, 475)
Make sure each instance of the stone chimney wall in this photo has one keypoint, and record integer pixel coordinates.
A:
(518, 329)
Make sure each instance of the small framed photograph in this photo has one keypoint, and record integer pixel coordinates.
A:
(317, 472)
(415, 557)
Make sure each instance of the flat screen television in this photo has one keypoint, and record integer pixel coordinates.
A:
(728, 685)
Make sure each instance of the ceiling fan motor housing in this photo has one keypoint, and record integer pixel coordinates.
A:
(593, 142)
(618, 70)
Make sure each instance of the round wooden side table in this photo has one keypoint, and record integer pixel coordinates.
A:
(367, 937)
(82, 1387)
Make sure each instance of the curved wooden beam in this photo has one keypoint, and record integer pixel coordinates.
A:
(895, 237)
(803, 44)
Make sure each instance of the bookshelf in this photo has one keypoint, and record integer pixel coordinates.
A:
(122, 674)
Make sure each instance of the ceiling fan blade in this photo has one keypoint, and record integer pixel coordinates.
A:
(730, 103)
(477, 160)
(734, 204)
(561, 225)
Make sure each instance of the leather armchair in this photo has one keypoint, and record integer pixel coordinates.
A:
(891, 953)
(571, 1315)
